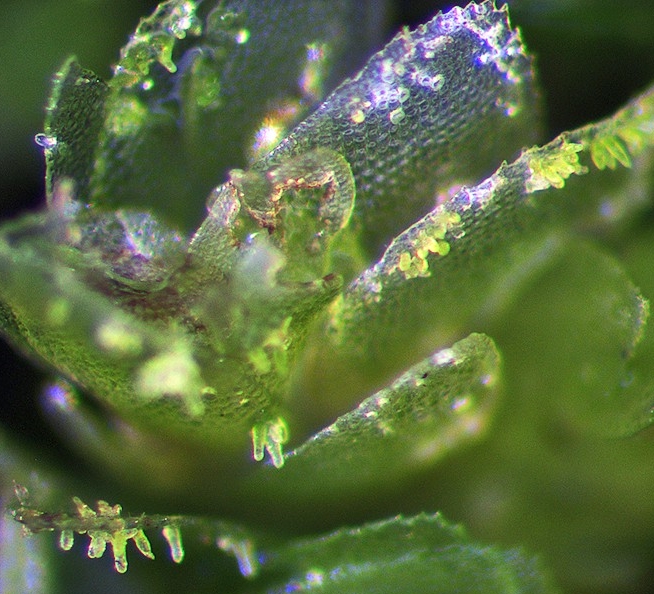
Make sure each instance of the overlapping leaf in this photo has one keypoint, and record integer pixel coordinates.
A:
(412, 555)
(203, 342)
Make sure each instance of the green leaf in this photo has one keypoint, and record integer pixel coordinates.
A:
(189, 98)
(437, 405)
(458, 266)
(558, 473)
(73, 123)
(587, 318)
(637, 387)
(120, 357)
(435, 108)
(410, 555)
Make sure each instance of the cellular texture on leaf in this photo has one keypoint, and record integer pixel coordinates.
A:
(74, 121)
(306, 349)
(445, 96)
(456, 265)
(438, 404)
(404, 554)
(190, 83)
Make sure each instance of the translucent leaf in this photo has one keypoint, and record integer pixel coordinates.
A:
(191, 83)
(102, 297)
(132, 249)
(73, 123)
(434, 407)
(112, 352)
(586, 318)
(411, 555)
(459, 265)
(224, 351)
(433, 109)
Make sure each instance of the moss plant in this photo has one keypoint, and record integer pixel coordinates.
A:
(363, 334)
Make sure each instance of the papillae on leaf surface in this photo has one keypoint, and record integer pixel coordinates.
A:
(289, 280)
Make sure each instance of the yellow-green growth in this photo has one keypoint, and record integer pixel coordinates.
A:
(550, 166)
(414, 262)
(270, 437)
(104, 526)
(625, 136)
(111, 529)
(173, 373)
(118, 338)
(154, 41)
(635, 124)
(609, 150)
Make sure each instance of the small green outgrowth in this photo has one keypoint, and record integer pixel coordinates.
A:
(154, 41)
(97, 547)
(107, 526)
(173, 537)
(609, 151)
(143, 544)
(243, 550)
(425, 243)
(104, 526)
(83, 510)
(66, 540)
(270, 437)
(551, 166)
(631, 127)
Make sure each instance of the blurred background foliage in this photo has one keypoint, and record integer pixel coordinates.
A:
(592, 56)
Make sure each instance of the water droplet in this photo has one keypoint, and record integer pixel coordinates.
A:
(45, 141)
(315, 578)
(461, 404)
(266, 138)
